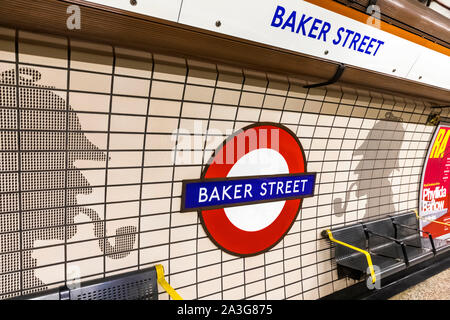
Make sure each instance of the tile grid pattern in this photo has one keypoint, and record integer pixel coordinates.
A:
(114, 142)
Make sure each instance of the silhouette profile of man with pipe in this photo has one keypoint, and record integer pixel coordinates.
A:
(375, 159)
(37, 190)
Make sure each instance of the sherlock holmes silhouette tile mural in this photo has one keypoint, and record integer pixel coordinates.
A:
(50, 192)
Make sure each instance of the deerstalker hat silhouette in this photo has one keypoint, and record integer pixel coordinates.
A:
(388, 124)
(39, 97)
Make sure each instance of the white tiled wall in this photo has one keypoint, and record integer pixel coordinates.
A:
(108, 134)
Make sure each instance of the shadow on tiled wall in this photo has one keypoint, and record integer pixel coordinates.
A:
(377, 189)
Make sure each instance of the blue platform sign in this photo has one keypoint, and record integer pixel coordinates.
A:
(246, 190)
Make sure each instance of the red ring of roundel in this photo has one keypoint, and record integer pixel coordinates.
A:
(215, 222)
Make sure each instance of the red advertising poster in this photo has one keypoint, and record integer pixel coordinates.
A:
(435, 188)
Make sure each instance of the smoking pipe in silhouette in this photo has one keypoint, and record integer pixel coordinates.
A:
(339, 208)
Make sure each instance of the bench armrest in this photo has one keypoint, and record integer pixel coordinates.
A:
(405, 255)
(430, 237)
(367, 254)
(409, 227)
(384, 236)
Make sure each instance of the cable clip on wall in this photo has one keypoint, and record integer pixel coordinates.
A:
(339, 71)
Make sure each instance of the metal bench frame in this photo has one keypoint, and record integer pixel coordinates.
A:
(136, 285)
(393, 243)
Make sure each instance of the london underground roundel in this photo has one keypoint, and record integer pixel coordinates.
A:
(251, 191)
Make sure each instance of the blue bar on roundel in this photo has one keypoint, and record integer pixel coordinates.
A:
(215, 193)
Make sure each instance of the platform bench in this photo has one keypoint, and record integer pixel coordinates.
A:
(382, 247)
(136, 285)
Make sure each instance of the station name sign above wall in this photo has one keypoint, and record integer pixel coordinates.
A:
(251, 191)
(315, 28)
(320, 28)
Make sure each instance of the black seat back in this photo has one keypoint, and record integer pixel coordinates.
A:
(353, 235)
(136, 285)
(383, 227)
(410, 236)
(133, 286)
